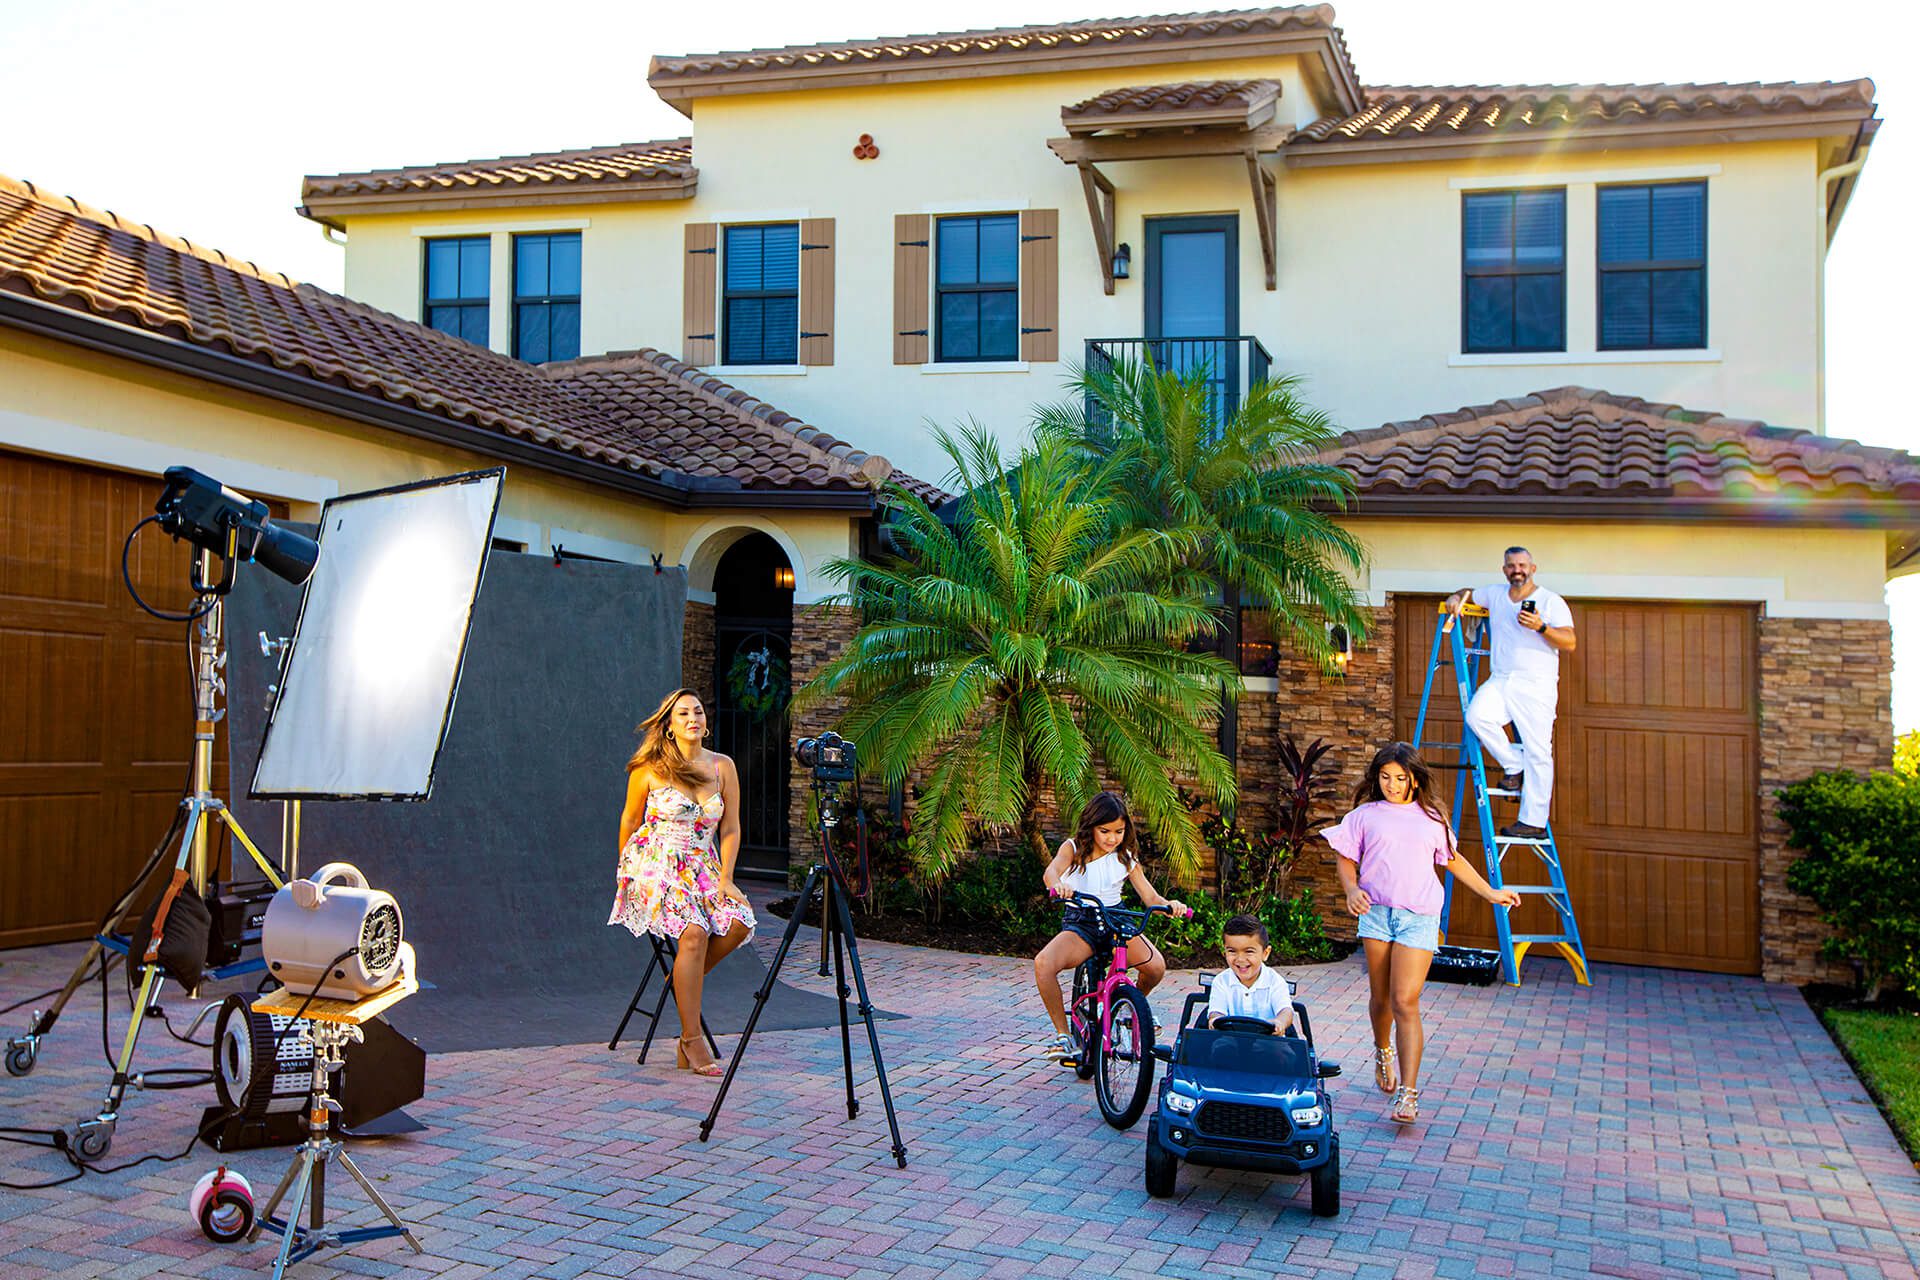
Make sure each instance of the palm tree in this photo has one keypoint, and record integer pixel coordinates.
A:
(1244, 483)
(1028, 648)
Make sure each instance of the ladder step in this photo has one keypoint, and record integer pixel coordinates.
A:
(1534, 888)
(1507, 842)
(1545, 938)
(1501, 791)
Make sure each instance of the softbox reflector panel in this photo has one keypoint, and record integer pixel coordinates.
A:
(371, 674)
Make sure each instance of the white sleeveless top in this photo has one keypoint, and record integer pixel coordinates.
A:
(1101, 878)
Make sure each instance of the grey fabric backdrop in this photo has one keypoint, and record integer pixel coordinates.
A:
(505, 875)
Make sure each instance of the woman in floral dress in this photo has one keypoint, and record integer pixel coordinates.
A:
(679, 837)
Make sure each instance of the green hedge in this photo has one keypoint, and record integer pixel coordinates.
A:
(1860, 863)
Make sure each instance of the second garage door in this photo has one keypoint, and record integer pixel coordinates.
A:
(1655, 804)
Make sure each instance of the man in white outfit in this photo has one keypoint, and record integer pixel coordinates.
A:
(1529, 628)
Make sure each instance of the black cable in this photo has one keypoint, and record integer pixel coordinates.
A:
(210, 600)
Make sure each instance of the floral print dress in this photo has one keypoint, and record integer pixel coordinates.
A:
(669, 872)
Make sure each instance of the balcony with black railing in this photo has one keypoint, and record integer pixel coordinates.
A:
(1232, 366)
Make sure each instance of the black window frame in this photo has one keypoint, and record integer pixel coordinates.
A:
(548, 300)
(1648, 267)
(730, 294)
(429, 303)
(1510, 270)
(940, 224)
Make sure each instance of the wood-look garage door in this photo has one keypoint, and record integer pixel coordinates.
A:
(1655, 806)
(95, 697)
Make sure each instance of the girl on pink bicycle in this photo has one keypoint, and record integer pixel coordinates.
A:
(1103, 855)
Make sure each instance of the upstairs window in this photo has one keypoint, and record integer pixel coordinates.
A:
(456, 288)
(1653, 266)
(546, 297)
(760, 320)
(1514, 271)
(978, 285)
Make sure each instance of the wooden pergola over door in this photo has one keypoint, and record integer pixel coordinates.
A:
(1655, 802)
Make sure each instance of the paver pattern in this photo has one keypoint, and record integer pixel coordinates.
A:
(1659, 1124)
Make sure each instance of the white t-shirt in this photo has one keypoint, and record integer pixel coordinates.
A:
(1269, 998)
(1518, 651)
(1101, 878)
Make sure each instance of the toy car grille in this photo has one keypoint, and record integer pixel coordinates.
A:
(1239, 1120)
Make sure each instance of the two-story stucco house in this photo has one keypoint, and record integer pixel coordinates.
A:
(1623, 283)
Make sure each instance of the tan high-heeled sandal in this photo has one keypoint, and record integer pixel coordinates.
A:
(709, 1068)
(1384, 1074)
(1406, 1107)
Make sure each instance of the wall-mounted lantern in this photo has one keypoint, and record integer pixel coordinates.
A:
(782, 578)
(1123, 262)
(1342, 645)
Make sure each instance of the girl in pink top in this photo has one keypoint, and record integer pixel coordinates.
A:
(1389, 846)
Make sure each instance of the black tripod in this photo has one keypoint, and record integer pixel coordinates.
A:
(836, 931)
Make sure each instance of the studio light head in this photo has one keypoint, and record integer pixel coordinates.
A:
(233, 526)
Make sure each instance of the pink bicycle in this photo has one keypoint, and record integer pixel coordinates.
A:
(1109, 1022)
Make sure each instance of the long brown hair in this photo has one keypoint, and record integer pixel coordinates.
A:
(659, 753)
(1103, 809)
(1403, 754)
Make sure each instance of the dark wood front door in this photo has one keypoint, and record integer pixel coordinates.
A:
(95, 697)
(1655, 806)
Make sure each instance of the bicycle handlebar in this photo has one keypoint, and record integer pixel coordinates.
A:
(1107, 913)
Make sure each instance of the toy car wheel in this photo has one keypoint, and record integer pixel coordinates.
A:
(1123, 1079)
(1326, 1183)
(1163, 1167)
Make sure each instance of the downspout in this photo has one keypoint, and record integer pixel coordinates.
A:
(1823, 240)
(326, 233)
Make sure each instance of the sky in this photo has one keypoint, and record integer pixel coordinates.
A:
(200, 118)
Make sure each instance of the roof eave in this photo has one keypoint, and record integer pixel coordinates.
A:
(682, 90)
(144, 346)
(1622, 135)
(1799, 512)
(331, 210)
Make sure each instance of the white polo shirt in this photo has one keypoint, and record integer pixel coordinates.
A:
(1269, 999)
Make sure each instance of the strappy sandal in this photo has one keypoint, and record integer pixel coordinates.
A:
(1384, 1074)
(1406, 1107)
(710, 1068)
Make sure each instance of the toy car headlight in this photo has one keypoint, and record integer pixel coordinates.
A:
(1307, 1117)
(1181, 1104)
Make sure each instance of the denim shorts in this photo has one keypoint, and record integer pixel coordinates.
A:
(1408, 928)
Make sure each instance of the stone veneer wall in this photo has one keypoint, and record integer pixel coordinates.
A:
(1353, 712)
(819, 633)
(696, 650)
(1826, 694)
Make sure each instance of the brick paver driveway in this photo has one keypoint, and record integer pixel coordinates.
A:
(1658, 1124)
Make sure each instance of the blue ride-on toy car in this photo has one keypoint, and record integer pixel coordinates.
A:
(1237, 1096)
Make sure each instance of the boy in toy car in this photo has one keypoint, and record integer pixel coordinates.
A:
(1248, 988)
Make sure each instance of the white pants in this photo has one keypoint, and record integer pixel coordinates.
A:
(1529, 707)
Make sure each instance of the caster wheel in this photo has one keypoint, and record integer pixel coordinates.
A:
(21, 1055)
(95, 1140)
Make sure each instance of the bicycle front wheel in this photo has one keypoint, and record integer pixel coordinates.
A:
(1123, 1065)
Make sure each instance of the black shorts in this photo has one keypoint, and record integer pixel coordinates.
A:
(1089, 926)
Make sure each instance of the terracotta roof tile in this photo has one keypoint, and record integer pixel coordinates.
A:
(1577, 442)
(626, 162)
(643, 411)
(1242, 102)
(1411, 114)
(1097, 34)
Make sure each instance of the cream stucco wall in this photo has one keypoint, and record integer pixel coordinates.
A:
(1793, 572)
(1368, 303)
(64, 402)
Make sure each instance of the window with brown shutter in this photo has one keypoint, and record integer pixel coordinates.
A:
(910, 287)
(701, 278)
(1040, 284)
(816, 291)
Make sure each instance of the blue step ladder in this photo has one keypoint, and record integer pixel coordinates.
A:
(1461, 647)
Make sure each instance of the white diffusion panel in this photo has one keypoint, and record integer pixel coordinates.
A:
(369, 685)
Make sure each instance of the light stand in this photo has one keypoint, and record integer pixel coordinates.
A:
(92, 1138)
(836, 932)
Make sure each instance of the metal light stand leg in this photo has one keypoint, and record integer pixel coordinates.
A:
(830, 920)
(873, 1031)
(308, 1172)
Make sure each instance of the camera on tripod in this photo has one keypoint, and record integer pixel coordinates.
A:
(831, 757)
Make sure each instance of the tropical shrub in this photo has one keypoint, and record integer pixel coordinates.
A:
(1860, 862)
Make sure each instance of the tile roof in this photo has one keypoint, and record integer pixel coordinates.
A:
(1245, 103)
(643, 412)
(1489, 112)
(626, 162)
(1577, 442)
(1042, 43)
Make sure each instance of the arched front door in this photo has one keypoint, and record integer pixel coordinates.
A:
(753, 631)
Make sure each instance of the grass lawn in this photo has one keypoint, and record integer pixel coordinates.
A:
(1884, 1048)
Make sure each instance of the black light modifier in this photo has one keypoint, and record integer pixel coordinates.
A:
(230, 524)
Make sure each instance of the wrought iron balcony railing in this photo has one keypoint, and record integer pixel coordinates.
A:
(1233, 366)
